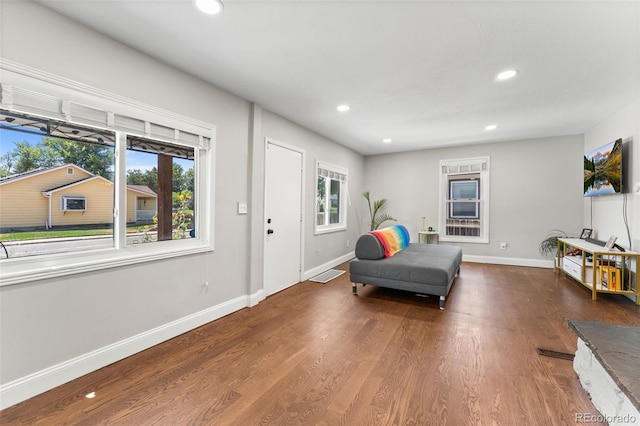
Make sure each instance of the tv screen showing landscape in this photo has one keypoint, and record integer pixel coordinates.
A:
(603, 170)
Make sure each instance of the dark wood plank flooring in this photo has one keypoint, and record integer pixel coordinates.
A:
(316, 354)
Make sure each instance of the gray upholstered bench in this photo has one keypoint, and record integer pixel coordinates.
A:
(420, 268)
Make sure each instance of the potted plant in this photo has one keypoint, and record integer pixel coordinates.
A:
(375, 210)
(550, 244)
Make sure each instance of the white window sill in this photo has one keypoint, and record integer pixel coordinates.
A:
(22, 270)
(329, 229)
(476, 240)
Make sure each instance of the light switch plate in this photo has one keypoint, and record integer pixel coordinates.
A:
(242, 207)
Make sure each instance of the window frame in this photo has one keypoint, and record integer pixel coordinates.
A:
(342, 175)
(157, 149)
(41, 94)
(455, 200)
(463, 170)
(65, 198)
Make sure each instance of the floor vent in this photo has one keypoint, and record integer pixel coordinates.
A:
(555, 354)
(327, 276)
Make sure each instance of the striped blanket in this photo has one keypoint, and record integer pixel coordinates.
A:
(394, 239)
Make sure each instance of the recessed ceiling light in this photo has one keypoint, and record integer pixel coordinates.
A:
(386, 140)
(491, 127)
(506, 75)
(343, 108)
(210, 7)
(90, 395)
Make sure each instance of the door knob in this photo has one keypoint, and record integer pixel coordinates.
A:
(269, 231)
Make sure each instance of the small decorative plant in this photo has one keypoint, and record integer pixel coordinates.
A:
(550, 244)
(182, 217)
(375, 210)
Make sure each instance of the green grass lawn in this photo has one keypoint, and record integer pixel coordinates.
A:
(62, 233)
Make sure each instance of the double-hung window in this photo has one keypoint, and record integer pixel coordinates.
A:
(464, 200)
(89, 187)
(464, 197)
(331, 195)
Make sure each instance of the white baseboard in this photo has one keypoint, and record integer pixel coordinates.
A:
(34, 384)
(256, 298)
(513, 261)
(328, 265)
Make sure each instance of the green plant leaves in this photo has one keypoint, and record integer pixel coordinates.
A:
(377, 217)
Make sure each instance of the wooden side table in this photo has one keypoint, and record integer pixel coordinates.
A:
(430, 237)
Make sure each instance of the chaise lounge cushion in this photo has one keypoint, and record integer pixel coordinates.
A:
(369, 248)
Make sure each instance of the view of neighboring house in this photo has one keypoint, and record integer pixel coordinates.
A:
(141, 204)
(67, 195)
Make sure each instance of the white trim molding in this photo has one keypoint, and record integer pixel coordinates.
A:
(37, 80)
(513, 261)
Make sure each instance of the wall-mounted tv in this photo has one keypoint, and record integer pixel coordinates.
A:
(603, 170)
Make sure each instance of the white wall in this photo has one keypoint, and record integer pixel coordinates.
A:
(54, 330)
(535, 188)
(605, 214)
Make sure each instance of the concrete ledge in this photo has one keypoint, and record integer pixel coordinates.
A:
(607, 362)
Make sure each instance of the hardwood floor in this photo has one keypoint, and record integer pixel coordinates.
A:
(316, 354)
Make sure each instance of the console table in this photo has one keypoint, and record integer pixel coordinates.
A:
(599, 269)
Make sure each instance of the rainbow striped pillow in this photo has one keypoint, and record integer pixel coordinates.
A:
(393, 239)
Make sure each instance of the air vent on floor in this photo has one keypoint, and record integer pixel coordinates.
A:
(555, 354)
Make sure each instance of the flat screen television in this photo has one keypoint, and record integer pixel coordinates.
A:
(603, 170)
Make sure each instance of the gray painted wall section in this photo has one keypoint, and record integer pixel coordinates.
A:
(535, 187)
(605, 214)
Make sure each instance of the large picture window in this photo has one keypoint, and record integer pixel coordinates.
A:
(68, 196)
(331, 192)
(464, 200)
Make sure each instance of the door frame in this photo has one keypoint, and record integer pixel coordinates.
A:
(301, 151)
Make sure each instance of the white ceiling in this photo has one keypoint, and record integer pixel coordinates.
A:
(419, 72)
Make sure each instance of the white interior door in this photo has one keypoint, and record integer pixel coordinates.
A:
(283, 219)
